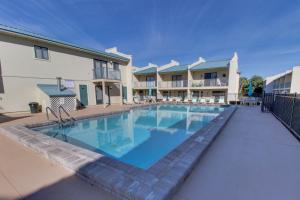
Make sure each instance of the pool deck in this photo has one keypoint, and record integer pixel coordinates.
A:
(254, 157)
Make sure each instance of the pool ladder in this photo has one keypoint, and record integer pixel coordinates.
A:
(67, 122)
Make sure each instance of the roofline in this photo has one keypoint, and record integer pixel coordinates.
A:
(186, 70)
(13, 31)
(191, 69)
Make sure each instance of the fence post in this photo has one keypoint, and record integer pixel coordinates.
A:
(262, 102)
(292, 113)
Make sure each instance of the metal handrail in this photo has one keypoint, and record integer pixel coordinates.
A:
(52, 112)
(63, 109)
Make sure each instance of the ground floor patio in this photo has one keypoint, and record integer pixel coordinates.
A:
(254, 157)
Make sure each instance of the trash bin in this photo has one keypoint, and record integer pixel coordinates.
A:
(34, 107)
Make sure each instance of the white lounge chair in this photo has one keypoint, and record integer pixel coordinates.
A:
(221, 100)
(194, 100)
(164, 99)
(202, 100)
(178, 100)
(211, 100)
(136, 101)
(186, 100)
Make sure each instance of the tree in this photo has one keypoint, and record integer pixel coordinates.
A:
(244, 83)
(258, 84)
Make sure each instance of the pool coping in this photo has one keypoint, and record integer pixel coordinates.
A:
(124, 181)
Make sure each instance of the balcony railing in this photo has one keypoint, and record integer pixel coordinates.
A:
(173, 84)
(107, 74)
(209, 83)
(285, 85)
(144, 84)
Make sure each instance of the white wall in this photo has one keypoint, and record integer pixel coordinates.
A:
(295, 83)
(22, 72)
(233, 79)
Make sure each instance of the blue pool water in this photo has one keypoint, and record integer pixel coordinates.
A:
(139, 137)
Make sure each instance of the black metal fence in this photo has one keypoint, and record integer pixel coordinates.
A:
(286, 107)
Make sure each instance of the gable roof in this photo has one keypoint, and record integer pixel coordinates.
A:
(34, 36)
(52, 91)
(211, 65)
(150, 70)
(176, 68)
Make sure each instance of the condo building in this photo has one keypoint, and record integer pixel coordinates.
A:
(201, 79)
(53, 73)
(283, 83)
(35, 68)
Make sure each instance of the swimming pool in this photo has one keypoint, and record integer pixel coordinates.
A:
(139, 137)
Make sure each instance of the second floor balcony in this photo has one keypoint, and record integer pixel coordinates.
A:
(107, 73)
(173, 84)
(209, 83)
(285, 85)
(144, 84)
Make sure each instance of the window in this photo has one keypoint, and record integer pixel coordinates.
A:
(100, 69)
(41, 52)
(116, 66)
(212, 75)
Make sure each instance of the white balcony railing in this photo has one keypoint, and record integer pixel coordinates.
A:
(144, 84)
(209, 83)
(104, 73)
(173, 84)
(285, 85)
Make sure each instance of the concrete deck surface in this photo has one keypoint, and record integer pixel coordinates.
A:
(25, 174)
(255, 157)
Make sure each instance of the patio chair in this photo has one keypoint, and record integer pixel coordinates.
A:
(221, 100)
(186, 100)
(136, 101)
(194, 100)
(203, 100)
(211, 100)
(178, 100)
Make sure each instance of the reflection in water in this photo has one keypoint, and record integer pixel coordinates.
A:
(139, 137)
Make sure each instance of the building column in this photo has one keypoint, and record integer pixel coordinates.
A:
(103, 93)
(121, 93)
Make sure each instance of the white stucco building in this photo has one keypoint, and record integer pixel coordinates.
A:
(31, 65)
(35, 68)
(284, 83)
(217, 78)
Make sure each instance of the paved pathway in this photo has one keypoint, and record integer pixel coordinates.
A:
(255, 157)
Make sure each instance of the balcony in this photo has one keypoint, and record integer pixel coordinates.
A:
(173, 84)
(144, 84)
(110, 74)
(209, 83)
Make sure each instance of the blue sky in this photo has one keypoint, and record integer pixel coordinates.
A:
(266, 34)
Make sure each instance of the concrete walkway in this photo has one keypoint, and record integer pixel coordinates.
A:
(255, 157)
(25, 174)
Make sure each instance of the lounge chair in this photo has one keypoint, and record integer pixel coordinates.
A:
(136, 101)
(178, 100)
(186, 100)
(164, 99)
(211, 100)
(203, 100)
(195, 100)
(221, 100)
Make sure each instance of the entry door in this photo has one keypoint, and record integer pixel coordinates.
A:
(83, 95)
(99, 94)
